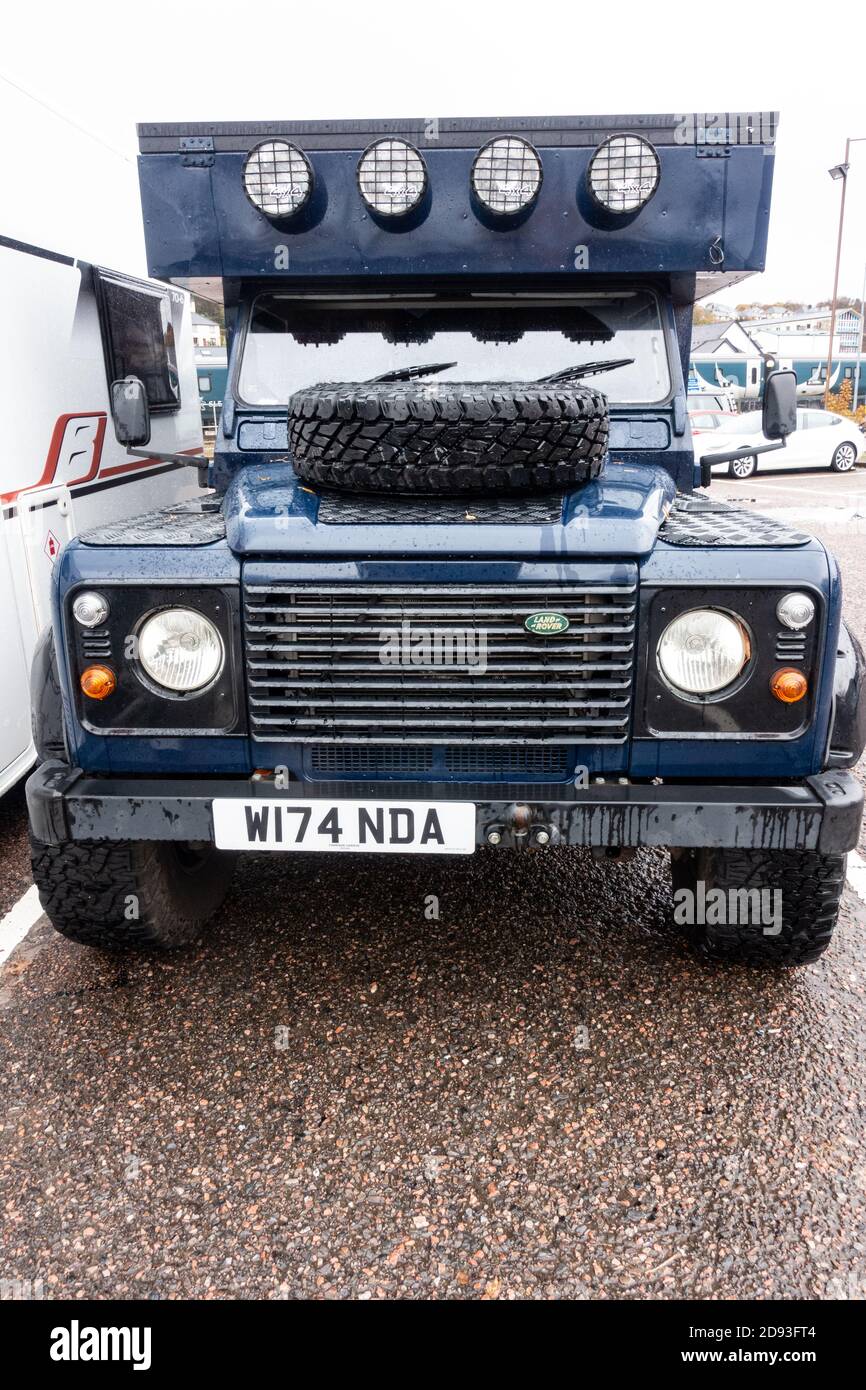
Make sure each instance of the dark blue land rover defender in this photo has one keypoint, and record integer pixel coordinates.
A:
(455, 584)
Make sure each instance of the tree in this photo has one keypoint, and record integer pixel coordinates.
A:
(840, 402)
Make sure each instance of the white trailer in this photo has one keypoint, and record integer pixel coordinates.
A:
(67, 330)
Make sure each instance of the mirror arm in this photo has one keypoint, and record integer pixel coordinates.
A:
(742, 453)
(707, 460)
(191, 460)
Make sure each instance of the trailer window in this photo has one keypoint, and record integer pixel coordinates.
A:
(139, 339)
(294, 341)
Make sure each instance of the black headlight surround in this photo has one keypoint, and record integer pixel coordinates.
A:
(747, 708)
(136, 706)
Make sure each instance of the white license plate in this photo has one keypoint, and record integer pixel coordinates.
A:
(379, 827)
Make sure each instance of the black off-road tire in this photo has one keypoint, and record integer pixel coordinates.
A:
(811, 885)
(447, 437)
(128, 894)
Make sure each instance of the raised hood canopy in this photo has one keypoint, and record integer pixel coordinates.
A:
(681, 195)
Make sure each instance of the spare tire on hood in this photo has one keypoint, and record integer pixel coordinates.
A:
(447, 437)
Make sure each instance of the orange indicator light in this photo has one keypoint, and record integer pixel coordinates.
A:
(789, 685)
(98, 682)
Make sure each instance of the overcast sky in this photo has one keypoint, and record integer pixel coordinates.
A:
(104, 66)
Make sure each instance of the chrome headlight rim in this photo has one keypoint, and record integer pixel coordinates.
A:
(602, 150)
(152, 682)
(731, 687)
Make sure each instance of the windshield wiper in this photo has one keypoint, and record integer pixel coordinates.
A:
(408, 373)
(580, 369)
(587, 369)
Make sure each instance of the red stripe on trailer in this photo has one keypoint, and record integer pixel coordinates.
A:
(57, 437)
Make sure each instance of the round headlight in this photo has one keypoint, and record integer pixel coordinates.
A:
(180, 649)
(506, 175)
(624, 173)
(795, 611)
(703, 651)
(392, 177)
(278, 178)
(89, 609)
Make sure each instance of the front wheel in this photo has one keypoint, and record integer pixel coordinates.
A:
(844, 458)
(743, 468)
(758, 907)
(130, 893)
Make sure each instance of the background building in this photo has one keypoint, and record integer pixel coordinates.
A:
(205, 332)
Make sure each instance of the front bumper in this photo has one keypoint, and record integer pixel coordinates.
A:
(821, 813)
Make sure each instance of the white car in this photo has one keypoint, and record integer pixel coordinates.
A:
(821, 440)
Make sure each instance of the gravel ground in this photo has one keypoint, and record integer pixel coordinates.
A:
(538, 1092)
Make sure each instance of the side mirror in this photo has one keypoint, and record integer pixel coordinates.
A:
(779, 416)
(130, 412)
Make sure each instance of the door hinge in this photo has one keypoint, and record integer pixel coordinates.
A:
(197, 151)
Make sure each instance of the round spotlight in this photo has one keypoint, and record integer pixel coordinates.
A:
(180, 650)
(90, 609)
(703, 651)
(392, 177)
(624, 173)
(278, 178)
(506, 175)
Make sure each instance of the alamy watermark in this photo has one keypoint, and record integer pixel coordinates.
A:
(726, 128)
(734, 907)
(21, 1290)
(461, 647)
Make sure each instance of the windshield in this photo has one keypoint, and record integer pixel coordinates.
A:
(295, 341)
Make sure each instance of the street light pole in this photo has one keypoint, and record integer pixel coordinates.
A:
(839, 171)
(860, 334)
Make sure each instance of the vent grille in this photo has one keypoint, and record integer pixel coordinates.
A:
(506, 762)
(315, 671)
(342, 761)
(790, 646)
(96, 644)
(338, 760)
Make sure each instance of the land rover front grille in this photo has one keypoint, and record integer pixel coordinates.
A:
(321, 664)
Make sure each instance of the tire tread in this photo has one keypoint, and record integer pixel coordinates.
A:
(811, 886)
(84, 889)
(447, 438)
